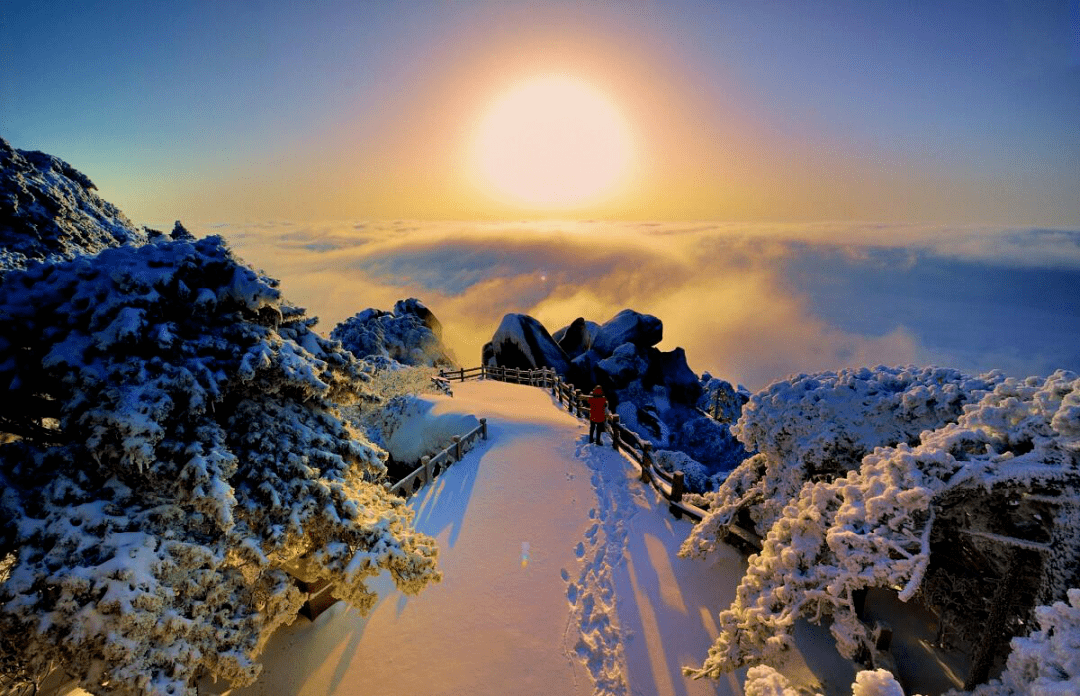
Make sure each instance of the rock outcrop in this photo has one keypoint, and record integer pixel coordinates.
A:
(523, 343)
(410, 335)
(654, 392)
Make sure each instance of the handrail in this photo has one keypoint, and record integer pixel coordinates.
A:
(670, 485)
(432, 466)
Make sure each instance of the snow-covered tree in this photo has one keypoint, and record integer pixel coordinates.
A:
(989, 503)
(820, 426)
(49, 211)
(173, 456)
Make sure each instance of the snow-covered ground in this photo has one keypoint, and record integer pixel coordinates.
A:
(560, 577)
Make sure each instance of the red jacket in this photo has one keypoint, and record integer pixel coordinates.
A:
(597, 406)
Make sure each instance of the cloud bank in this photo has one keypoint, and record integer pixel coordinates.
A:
(750, 303)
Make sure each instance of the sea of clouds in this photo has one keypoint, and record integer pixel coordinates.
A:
(750, 303)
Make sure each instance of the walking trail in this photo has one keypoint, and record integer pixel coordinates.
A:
(560, 577)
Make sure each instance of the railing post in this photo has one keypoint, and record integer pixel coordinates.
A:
(678, 486)
(463, 375)
(577, 403)
(616, 431)
(646, 462)
(425, 461)
(483, 428)
(558, 389)
(552, 377)
(570, 391)
(457, 447)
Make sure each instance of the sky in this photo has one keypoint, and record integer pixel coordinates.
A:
(790, 186)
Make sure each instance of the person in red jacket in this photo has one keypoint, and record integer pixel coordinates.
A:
(597, 414)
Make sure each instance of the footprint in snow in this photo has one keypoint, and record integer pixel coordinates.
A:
(579, 550)
(565, 575)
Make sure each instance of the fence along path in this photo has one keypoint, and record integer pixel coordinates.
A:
(672, 485)
(432, 466)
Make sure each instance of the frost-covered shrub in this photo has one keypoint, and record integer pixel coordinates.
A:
(49, 211)
(1001, 483)
(176, 454)
(1047, 662)
(763, 680)
(698, 479)
(818, 426)
(721, 400)
(410, 334)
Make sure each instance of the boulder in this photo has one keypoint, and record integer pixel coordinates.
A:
(670, 369)
(623, 366)
(523, 343)
(410, 335)
(416, 308)
(628, 326)
(577, 338)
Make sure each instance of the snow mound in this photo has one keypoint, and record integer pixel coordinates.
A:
(49, 211)
(411, 428)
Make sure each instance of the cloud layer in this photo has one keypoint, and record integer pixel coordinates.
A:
(749, 303)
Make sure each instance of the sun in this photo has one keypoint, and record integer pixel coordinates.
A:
(552, 142)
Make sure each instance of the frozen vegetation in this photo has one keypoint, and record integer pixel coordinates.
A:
(173, 454)
(983, 499)
(49, 211)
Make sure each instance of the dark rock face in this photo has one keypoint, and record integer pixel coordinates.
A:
(523, 343)
(576, 338)
(410, 334)
(655, 393)
(628, 326)
(49, 211)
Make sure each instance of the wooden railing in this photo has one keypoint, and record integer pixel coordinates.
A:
(670, 485)
(432, 466)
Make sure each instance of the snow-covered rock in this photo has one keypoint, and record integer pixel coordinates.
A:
(49, 211)
(654, 393)
(577, 337)
(410, 334)
(522, 342)
(628, 326)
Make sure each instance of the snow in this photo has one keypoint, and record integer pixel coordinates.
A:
(560, 576)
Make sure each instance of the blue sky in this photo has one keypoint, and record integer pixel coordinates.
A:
(930, 111)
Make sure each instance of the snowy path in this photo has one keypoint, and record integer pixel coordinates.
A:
(560, 577)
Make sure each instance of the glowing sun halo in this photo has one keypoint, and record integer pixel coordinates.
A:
(552, 142)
